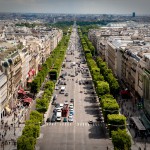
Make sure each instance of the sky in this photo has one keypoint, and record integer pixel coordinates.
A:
(76, 6)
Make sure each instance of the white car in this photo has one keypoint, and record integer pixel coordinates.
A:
(70, 118)
(66, 103)
(56, 88)
(61, 105)
(58, 109)
(71, 106)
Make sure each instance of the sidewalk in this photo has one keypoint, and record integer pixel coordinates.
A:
(128, 110)
(11, 129)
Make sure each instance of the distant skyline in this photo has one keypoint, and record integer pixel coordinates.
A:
(140, 7)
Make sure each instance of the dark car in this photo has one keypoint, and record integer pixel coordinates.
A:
(53, 119)
(72, 100)
(55, 111)
(55, 97)
(65, 119)
(54, 102)
(57, 105)
(48, 120)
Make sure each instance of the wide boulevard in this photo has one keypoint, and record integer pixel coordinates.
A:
(79, 134)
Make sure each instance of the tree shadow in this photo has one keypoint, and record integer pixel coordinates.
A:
(96, 131)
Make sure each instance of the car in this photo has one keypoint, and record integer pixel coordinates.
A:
(70, 118)
(61, 105)
(72, 75)
(90, 122)
(72, 100)
(57, 105)
(58, 108)
(85, 92)
(65, 119)
(56, 88)
(66, 94)
(55, 111)
(53, 102)
(48, 120)
(80, 82)
(66, 103)
(58, 118)
(53, 119)
(71, 111)
(71, 106)
(55, 97)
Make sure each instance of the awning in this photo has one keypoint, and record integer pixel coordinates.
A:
(145, 121)
(8, 110)
(125, 92)
(138, 123)
(21, 92)
(28, 100)
(33, 71)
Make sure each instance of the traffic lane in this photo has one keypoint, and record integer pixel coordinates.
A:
(71, 138)
(87, 109)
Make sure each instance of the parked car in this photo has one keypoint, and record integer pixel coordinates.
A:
(72, 100)
(61, 105)
(57, 105)
(55, 111)
(71, 106)
(65, 119)
(53, 119)
(55, 97)
(54, 102)
(70, 118)
(48, 120)
(66, 103)
(71, 112)
(56, 88)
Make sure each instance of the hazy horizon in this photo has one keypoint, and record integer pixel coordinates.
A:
(123, 7)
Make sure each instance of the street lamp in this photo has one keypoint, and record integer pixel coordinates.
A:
(14, 124)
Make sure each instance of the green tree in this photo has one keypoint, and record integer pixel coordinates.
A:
(102, 88)
(116, 121)
(35, 115)
(121, 140)
(26, 143)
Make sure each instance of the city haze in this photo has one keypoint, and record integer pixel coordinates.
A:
(141, 7)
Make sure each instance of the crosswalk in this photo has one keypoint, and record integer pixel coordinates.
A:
(77, 124)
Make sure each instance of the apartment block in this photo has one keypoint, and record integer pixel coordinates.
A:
(126, 51)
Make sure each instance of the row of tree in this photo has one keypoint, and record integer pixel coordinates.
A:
(106, 85)
(32, 126)
(30, 132)
(53, 62)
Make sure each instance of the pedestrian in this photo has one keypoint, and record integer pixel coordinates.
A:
(9, 128)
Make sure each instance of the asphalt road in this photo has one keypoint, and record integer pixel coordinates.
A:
(79, 134)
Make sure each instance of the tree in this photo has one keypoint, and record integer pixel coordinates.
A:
(116, 121)
(121, 140)
(102, 88)
(35, 115)
(26, 143)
